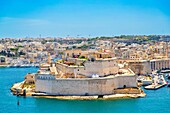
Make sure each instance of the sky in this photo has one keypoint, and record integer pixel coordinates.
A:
(83, 18)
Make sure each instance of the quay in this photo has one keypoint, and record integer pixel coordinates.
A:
(165, 71)
(154, 87)
(158, 83)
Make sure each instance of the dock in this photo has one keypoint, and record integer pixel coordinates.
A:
(155, 85)
(165, 71)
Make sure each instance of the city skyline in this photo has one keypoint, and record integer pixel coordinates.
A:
(83, 18)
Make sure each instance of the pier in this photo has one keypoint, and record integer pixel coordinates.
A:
(159, 81)
(154, 87)
(165, 71)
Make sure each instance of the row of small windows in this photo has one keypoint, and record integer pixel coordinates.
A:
(45, 77)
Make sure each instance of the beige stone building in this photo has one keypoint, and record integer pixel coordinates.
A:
(87, 54)
(159, 64)
(96, 76)
(30, 78)
(139, 67)
(101, 67)
(144, 67)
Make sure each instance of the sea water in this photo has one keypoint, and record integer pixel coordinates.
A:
(156, 101)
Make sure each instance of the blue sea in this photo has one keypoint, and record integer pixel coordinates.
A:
(157, 101)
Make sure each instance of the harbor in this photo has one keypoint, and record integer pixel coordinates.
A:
(84, 56)
(39, 104)
(153, 81)
(158, 82)
(22, 65)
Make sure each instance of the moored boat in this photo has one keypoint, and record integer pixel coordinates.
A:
(146, 82)
(169, 76)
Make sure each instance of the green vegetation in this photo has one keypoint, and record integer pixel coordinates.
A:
(74, 47)
(83, 47)
(82, 57)
(44, 41)
(14, 49)
(60, 53)
(103, 37)
(26, 85)
(138, 38)
(20, 46)
(79, 41)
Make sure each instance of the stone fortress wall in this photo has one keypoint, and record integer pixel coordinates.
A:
(84, 86)
(99, 67)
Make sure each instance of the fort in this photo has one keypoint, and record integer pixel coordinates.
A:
(83, 86)
(79, 77)
(95, 75)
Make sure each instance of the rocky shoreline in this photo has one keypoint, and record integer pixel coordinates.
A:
(105, 97)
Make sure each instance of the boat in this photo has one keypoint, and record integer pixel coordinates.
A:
(158, 82)
(146, 82)
(168, 85)
(169, 76)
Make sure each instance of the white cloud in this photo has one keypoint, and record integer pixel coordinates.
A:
(23, 21)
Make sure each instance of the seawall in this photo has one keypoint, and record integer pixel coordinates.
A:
(84, 86)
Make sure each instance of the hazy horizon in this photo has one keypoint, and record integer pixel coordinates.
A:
(83, 17)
